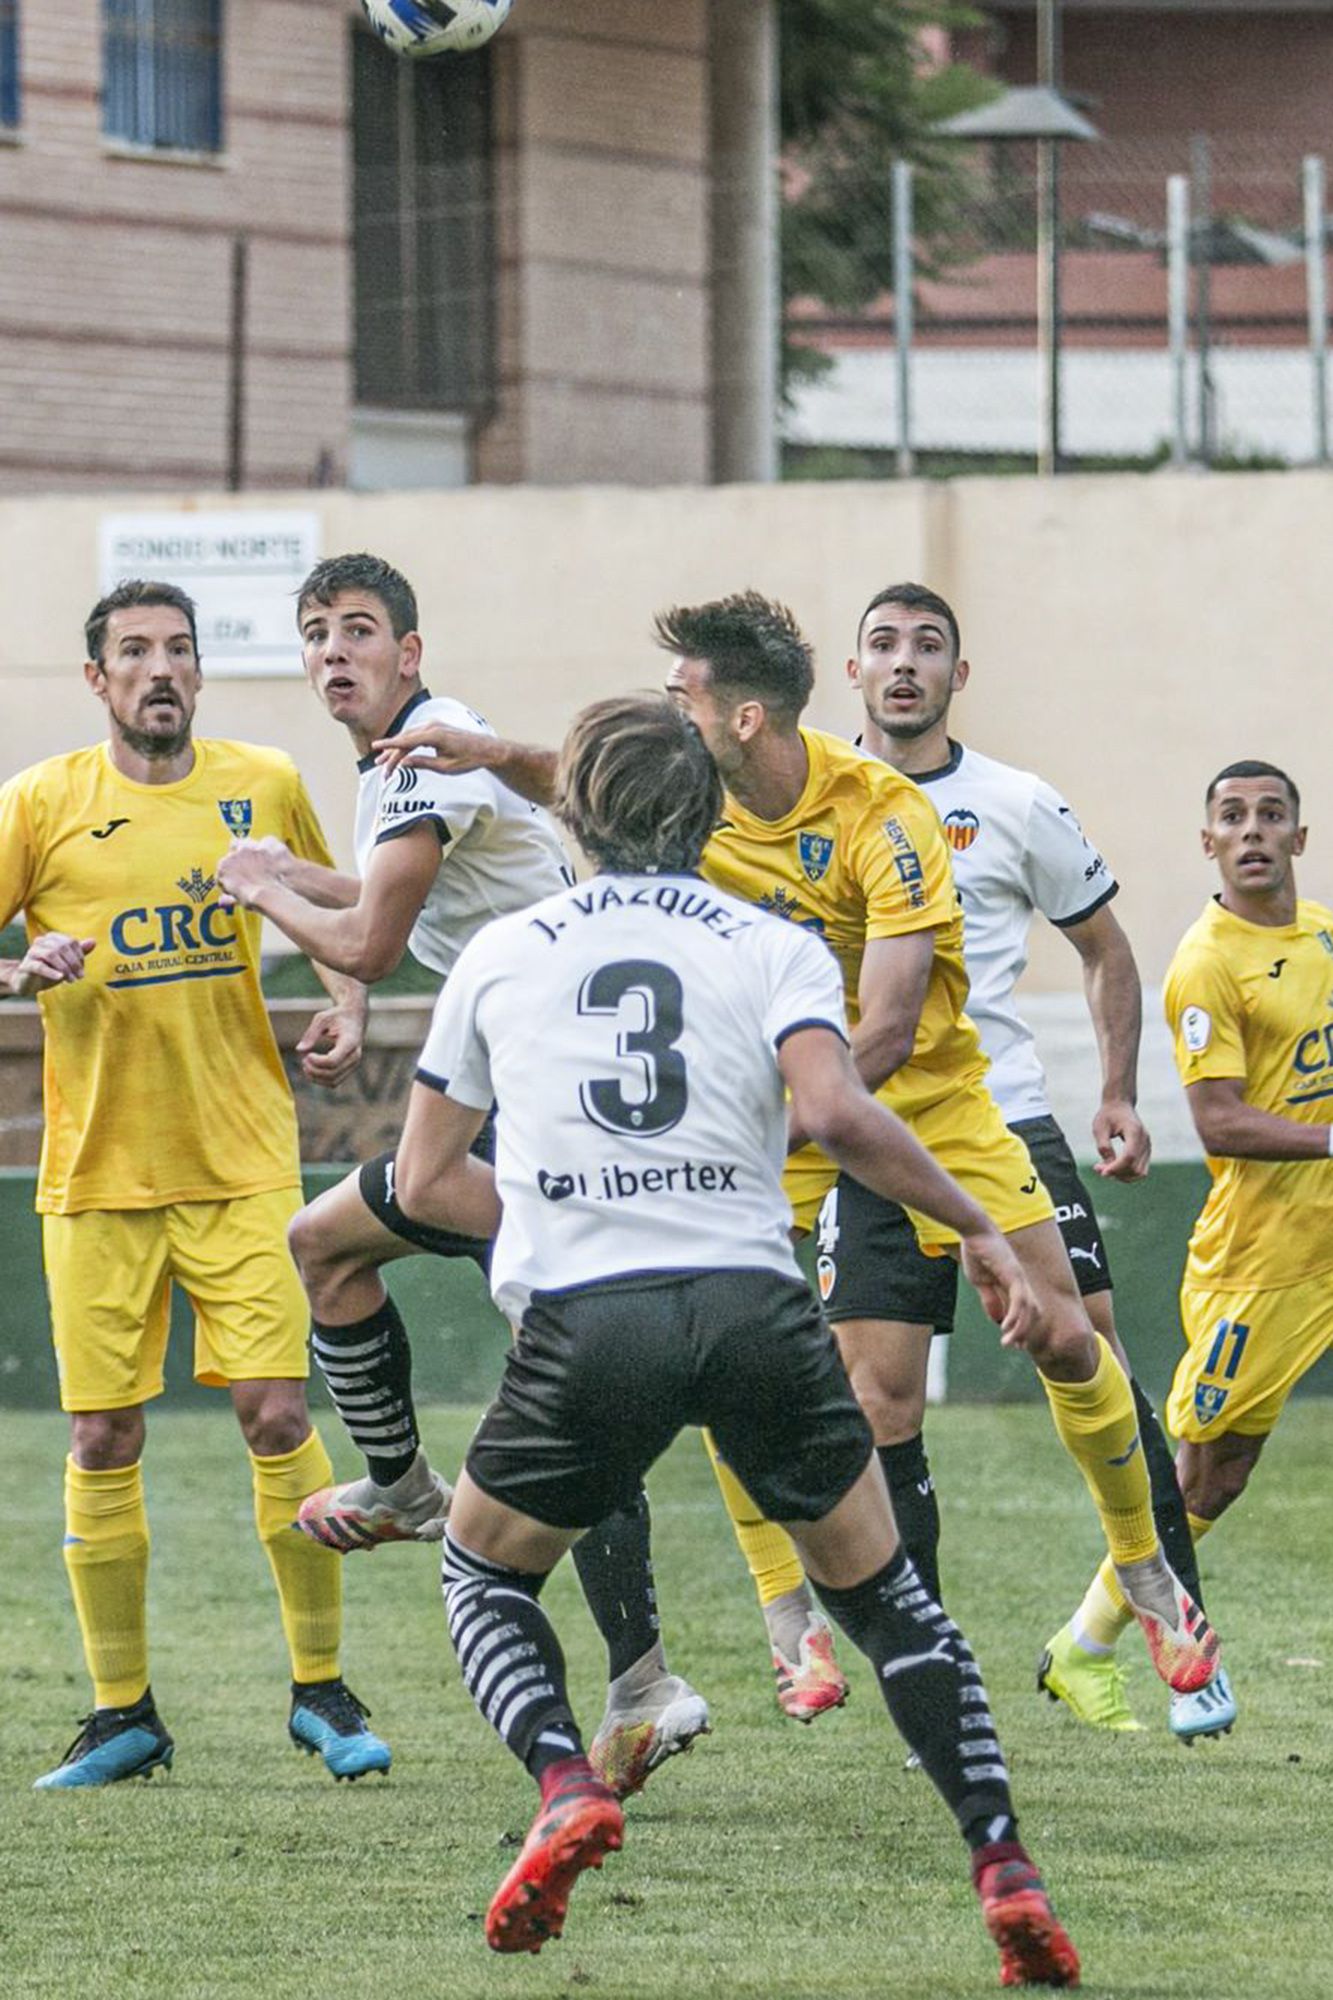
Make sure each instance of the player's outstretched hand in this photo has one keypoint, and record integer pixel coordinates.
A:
(250, 866)
(990, 1266)
(1123, 1146)
(433, 747)
(331, 1046)
(53, 959)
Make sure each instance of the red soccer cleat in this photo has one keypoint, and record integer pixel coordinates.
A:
(813, 1681)
(578, 1823)
(1184, 1648)
(1035, 1948)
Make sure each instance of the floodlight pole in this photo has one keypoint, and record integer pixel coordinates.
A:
(1317, 298)
(1048, 248)
(1178, 309)
(902, 310)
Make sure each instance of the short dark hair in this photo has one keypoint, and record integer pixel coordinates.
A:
(636, 786)
(915, 597)
(751, 646)
(134, 591)
(1254, 767)
(330, 578)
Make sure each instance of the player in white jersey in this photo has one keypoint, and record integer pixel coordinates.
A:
(439, 857)
(1018, 849)
(637, 1032)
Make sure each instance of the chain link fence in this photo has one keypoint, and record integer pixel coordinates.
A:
(1190, 324)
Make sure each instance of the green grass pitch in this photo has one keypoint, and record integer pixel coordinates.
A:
(775, 1863)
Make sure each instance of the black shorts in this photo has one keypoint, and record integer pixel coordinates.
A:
(602, 1377)
(869, 1264)
(375, 1182)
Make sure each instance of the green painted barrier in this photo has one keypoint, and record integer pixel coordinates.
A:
(459, 1339)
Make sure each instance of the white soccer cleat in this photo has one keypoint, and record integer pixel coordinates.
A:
(361, 1515)
(1210, 1712)
(640, 1731)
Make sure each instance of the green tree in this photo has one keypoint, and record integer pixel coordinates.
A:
(856, 94)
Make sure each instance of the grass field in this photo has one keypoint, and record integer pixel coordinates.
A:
(776, 1862)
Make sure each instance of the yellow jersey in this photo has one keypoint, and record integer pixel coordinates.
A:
(161, 1078)
(1255, 1002)
(862, 855)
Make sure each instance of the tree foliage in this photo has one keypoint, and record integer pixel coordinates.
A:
(857, 93)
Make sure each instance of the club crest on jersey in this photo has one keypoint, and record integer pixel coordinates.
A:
(816, 851)
(237, 815)
(1208, 1401)
(961, 828)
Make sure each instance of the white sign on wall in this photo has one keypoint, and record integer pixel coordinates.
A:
(242, 570)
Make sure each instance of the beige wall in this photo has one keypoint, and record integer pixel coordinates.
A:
(1128, 635)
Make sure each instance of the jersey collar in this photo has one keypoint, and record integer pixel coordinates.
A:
(369, 761)
(926, 777)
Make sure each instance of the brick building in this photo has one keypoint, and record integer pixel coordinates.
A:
(496, 268)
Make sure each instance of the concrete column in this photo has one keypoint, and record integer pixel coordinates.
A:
(743, 119)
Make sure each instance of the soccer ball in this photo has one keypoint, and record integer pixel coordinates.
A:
(435, 27)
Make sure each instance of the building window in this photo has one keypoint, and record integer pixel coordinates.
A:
(162, 73)
(423, 221)
(9, 62)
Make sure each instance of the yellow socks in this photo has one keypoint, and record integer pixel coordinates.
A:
(309, 1578)
(769, 1550)
(1098, 1426)
(106, 1555)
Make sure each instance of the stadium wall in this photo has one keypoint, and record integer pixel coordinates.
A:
(1128, 635)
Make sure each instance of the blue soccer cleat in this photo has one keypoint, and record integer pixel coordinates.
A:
(113, 1743)
(1211, 1711)
(327, 1717)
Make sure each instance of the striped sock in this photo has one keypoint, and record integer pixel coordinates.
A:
(510, 1658)
(367, 1367)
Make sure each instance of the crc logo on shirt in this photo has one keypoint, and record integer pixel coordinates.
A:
(237, 815)
(961, 828)
(1196, 1029)
(816, 851)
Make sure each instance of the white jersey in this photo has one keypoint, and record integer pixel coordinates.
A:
(628, 1029)
(498, 852)
(1017, 847)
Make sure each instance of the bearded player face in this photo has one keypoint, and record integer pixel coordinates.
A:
(148, 676)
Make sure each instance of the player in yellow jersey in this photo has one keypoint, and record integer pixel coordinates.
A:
(170, 1154)
(1249, 1000)
(852, 850)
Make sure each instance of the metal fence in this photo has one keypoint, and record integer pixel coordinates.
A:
(1190, 327)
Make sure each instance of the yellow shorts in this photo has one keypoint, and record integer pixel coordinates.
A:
(109, 1274)
(968, 1136)
(1245, 1352)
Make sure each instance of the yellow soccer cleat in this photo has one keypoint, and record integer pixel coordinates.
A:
(1091, 1685)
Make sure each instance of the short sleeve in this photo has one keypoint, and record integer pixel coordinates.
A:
(1203, 1012)
(305, 835)
(902, 863)
(1066, 878)
(16, 851)
(805, 990)
(454, 1057)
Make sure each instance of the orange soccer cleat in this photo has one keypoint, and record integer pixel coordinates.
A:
(578, 1824)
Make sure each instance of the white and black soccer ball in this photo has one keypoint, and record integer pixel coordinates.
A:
(436, 27)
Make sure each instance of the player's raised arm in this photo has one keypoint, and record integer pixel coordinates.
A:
(437, 1180)
(365, 939)
(830, 1103)
(435, 746)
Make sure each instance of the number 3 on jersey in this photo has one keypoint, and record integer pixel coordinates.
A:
(651, 992)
